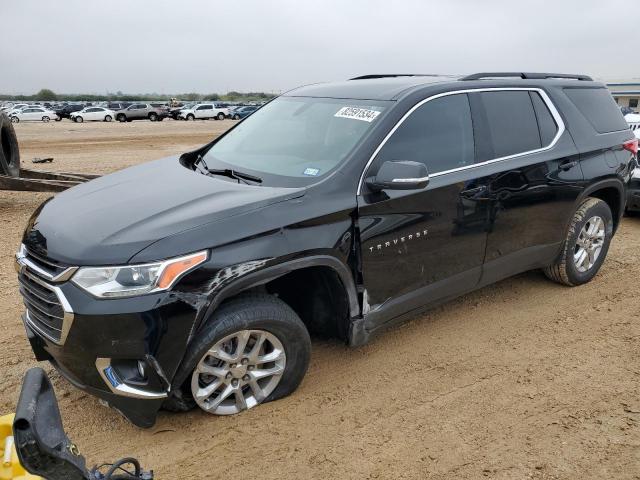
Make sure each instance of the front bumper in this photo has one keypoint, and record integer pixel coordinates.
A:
(123, 351)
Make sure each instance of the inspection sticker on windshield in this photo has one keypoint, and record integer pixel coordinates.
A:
(312, 172)
(355, 113)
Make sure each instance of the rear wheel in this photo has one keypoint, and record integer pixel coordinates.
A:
(586, 246)
(254, 349)
(220, 116)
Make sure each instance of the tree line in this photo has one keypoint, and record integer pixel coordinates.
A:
(49, 95)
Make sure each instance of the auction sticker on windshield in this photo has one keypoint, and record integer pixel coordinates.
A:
(355, 113)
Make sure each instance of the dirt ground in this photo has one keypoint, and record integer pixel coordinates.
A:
(523, 379)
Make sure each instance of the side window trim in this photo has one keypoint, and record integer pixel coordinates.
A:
(545, 98)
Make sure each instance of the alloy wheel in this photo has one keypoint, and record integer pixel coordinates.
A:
(238, 372)
(589, 244)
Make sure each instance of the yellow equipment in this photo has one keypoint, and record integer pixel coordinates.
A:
(10, 469)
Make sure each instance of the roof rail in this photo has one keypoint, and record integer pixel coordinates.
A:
(526, 76)
(391, 75)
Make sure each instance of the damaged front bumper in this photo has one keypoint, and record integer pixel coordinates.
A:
(123, 351)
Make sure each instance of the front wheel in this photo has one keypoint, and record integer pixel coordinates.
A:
(254, 349)
(153, 116)
(236, 117)
(191, 117)
(45, 119)
(108, 118)
(15, 120)
(121, 118)
(78, 119)
(586, 245)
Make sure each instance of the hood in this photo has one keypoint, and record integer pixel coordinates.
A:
(108, 220)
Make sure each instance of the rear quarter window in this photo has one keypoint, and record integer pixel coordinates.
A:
(598, 107)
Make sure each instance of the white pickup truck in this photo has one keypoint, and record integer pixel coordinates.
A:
(203, 111)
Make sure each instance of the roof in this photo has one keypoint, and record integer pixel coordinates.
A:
(386, 88)
(393, 86)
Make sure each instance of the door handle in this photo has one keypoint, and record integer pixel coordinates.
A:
(568, 166)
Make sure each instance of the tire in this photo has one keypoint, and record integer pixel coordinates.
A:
(567, 269)
(121, 117)
(191, 117)
(220, 116)
(15, 119)
(78, 119)
(46, 119)
(58, 119)
(9, 151)
(153, 116)
(108, 118)
(255, 312)
(236, 117)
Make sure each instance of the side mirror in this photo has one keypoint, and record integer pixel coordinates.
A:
(399, 175)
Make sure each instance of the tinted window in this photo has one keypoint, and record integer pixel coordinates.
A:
(438, 134)
(597, 105)
(546, 123)
(511, 124)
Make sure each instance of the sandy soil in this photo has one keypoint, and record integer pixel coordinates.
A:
(523, 379)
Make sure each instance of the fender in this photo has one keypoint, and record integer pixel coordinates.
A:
(270, 273)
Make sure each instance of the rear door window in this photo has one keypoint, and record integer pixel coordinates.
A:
(439, 134)
(505, 122)
(599, 108)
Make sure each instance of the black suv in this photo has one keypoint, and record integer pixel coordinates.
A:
(336, 209)
(67, 110)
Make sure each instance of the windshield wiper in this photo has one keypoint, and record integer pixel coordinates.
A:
(228, 172)
(225, 172)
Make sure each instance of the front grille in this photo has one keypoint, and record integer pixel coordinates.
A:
(44, 310)
(50, 266)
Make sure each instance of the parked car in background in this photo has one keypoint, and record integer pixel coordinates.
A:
(175, 111)
(99, 114)
(67, 110)
(204, 111)
(241, 112)
(34, 114)
(140, 111)
(115, 106)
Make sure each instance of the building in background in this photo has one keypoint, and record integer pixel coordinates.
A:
(626, 94)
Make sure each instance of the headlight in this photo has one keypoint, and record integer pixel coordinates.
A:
(131, 280)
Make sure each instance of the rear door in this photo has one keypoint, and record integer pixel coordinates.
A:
(529, 178)
(420, 246)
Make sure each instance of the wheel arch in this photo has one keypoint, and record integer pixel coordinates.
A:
(329, 273)
(612, 192)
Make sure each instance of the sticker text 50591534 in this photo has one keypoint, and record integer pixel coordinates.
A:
(355, 113)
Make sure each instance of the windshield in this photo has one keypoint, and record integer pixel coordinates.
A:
(299, 137)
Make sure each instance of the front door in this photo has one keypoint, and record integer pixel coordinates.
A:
(420, 246)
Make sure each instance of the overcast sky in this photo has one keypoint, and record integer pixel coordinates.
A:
(207, 46)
